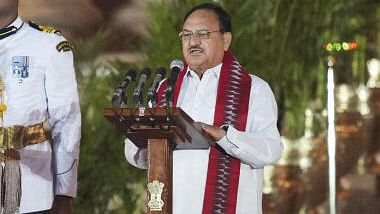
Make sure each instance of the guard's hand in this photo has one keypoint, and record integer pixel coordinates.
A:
(216, 133)
(63, 205)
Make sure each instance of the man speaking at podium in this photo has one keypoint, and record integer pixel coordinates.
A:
(236, 108)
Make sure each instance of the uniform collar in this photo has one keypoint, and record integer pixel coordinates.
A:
(215, 71)
(12, 28)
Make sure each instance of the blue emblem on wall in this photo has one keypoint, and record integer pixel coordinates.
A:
(20, 66)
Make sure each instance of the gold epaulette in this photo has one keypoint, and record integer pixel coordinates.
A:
(64, 46)
(44, 28)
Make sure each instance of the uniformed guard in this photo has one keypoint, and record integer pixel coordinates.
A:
(38, 174)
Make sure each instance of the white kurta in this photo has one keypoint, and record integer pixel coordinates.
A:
(47, 91)
(257, 147)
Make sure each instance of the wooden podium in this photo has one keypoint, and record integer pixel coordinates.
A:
(160, 130)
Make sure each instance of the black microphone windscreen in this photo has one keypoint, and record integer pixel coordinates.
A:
(119, 98)
(131, 75)
(161, 71)
(144, 76)
(160, 75)
(146, 71)
(176, 65)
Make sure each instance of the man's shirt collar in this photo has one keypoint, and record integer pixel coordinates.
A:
(12, 28)
(17, 23)
(215, 71)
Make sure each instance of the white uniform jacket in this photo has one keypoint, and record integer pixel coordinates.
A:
(40, 86)
(257, 147)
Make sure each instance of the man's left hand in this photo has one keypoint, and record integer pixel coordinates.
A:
(63, 205)
(216, 133)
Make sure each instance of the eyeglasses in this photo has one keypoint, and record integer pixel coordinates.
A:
(200, 34)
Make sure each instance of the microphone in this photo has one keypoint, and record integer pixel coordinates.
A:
(175, 67)
(118, 98)
(144, 76)
(160, 75)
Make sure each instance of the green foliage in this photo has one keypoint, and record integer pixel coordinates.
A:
(107, 183)
(280, 41)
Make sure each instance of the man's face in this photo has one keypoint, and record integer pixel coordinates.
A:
(202, 51)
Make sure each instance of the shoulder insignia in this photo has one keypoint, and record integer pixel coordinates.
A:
(64, 46)
(43, 28)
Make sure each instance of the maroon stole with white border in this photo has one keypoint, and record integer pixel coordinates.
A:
(231, 108)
